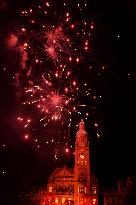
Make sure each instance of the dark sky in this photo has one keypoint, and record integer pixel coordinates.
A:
(113, 155)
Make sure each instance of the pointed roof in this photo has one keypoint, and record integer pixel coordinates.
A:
(81, 135)
(81, 125)
(81, 128)
(62, 172)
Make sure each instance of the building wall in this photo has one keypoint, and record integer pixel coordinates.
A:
(76, 186)
(72, 186)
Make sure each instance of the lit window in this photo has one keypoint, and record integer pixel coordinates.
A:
(85, 190)
(50, 189)
(56, 200)
(81, 189)
(81, 200)
(82, 156)
(94, 201)
(94, 190)
(63, 200)
(82, 162)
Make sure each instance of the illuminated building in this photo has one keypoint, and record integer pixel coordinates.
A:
(78, 185)
(73, 186)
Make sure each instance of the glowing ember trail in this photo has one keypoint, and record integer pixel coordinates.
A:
(55, 61)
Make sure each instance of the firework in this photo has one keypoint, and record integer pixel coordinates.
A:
(55, 61)
(56, 97)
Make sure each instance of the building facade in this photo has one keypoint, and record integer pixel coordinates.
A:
(73, 186)
(78, 185)
(125, 194)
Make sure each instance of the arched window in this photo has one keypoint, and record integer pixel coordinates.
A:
(94, 190)
(50, 189)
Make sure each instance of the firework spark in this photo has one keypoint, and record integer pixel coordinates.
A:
(57, 44)
(55, 60)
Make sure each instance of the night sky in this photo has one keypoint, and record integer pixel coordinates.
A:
(22, 166)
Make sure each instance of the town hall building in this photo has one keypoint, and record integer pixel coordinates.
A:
(73, 186)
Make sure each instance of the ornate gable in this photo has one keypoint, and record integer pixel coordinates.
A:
(64, 172)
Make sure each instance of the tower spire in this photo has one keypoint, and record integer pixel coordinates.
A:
(81, 135)
(81, 125)
(82, 163)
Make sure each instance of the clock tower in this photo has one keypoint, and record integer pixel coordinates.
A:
(82, 165)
